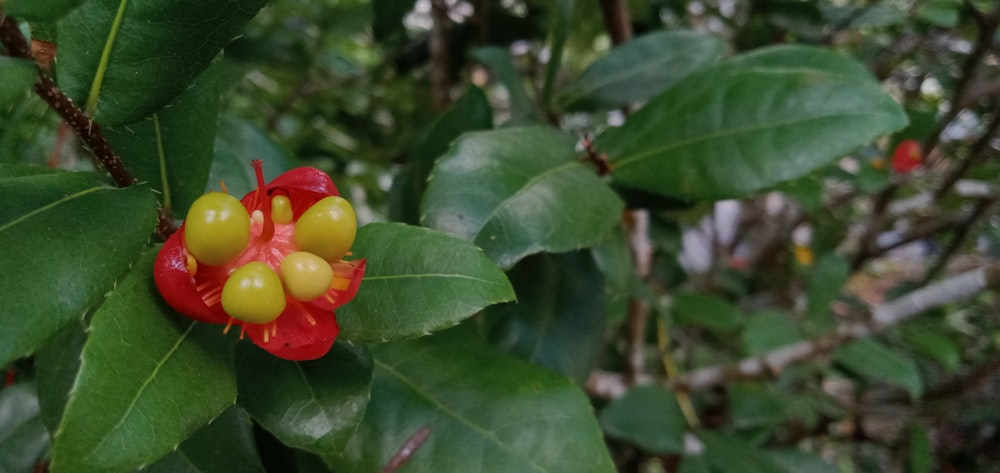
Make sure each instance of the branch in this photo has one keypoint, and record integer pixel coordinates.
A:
(440, 60)
(884, 316)
(617, 20)
(85, 127)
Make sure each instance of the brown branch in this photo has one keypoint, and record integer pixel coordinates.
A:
(617, 20)
(978, 152)
(958, 237)
(85, 127)
(440, 56)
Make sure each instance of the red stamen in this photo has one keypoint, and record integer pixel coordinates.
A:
(309, 318)
(229, 325)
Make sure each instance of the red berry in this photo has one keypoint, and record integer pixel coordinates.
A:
(908, 156)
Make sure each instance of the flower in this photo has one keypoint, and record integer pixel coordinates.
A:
(272, 263)
(908, 156)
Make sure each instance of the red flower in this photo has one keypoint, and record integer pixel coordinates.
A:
(271, 262)
(908, 156)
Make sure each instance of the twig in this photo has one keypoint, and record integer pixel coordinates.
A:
(636, 223)
(440, 60)
(958, 237)
(406, 451)
(978, 152)
(617, 20)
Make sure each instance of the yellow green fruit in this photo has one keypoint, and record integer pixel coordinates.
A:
(305, 275)
(254, 294)
(217, 228)
(327, 228)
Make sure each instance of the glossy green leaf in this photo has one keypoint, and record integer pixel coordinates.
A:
(649, 417)
(172, 151)
(313, 405)
(461, 405)
(224, 446)
(16, 79)
(417, 281)
(705, 310)
(641, 69)
(767, 330)
(614, 259)
(55, 229)
(39, 10)
(23, 438)
(148, 379)
(877, 362)
(750, 123)
(470, 113)
(523, 110)
(237, 144)
(519, 191)
(133, 58)
(558, 319)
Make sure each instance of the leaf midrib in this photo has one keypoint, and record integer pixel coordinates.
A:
(458, 417)
(530, 183)
(49, 206)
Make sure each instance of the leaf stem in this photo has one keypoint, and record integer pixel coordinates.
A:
(102, 66)
(161, 156)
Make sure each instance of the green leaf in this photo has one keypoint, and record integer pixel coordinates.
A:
(147, 381)
(224, 446)
(523, 110)
(750, 123)
(23, 438)
(723, 452)
(55, 228)
(641, 69)
(614, 259)
(16, 77)
(237, 144)
(767, 330)
(417, 281)
(825, 281)
(794, 461)
(39, 10)
(313, 405)
(940, 13)
(476, 409)
(921, 451)
(649, 417)
(519, 191)
(130, 59)
(173, 149)
(470, 113)
(558, 319)
(707, 311)
(877, 362)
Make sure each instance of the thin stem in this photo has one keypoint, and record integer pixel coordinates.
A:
(162, 157)
(102, 66)
(670, 367)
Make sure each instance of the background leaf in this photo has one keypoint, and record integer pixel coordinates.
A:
(647, 416)
(313, 405)
(56, 366)
(224, 446)
(523, 110)
(519, 191)
(558, 319)
(767, 330)
(471, 112)
(417, 281)
(55, 227)
(750, 123)
(877, 362)
(237, 144)
(39, 10)
(642, 68)
(147, 381)
(705, 310)
(185, 135)
(160, 47)
(485, 411)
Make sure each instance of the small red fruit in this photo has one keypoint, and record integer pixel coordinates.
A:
(252, 262)
(908, 156)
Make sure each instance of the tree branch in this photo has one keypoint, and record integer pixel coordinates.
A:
(440, 60)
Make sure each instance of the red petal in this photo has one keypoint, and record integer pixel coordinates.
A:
(304, 179)
(296, 338)
(178, 287)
